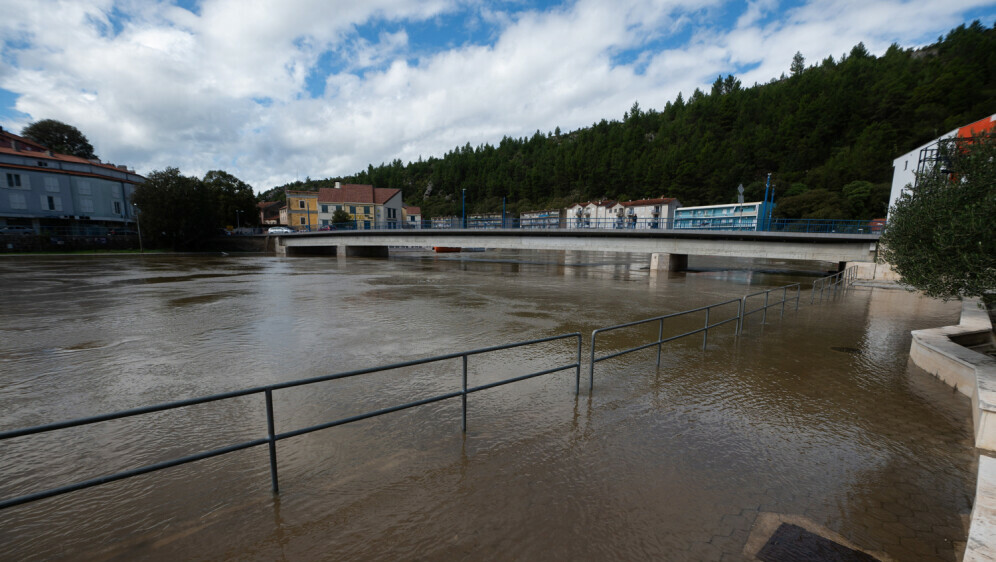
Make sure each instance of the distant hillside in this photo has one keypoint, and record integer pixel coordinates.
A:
(828, 133)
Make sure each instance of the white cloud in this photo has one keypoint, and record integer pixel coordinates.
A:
(226, 87)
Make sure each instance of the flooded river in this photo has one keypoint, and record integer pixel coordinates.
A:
(816, 417)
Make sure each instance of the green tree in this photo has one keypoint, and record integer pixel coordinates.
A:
(940, 236)
(236, 201)
(59, 137)
(176, 211)
(798, 64)
(341, 217)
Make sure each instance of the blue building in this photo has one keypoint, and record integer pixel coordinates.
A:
(749, 216)
(59, 193)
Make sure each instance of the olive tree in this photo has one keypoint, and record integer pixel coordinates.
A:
(940, 237)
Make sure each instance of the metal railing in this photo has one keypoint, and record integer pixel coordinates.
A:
(721, 224)
(704, 330)
(745, 312)
(271, 435)
(832, 283)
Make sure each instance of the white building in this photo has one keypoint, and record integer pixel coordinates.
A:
(732, 216)
(412, 216)
(644, 213)
(368, 206)
(591, 214)
(549, 218)
(923, 157)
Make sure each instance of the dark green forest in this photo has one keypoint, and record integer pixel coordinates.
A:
(827, 131)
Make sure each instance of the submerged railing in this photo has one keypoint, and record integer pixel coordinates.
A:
(842, 279)
(272, 436)
(832, 283)
(745, 312)
(704, 330)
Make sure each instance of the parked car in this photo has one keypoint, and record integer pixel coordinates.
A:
(13, 230)
(327, 228)
(279, 230)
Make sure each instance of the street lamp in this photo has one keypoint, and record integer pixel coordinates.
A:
(238, 220)
(463, 209)
(138, 226)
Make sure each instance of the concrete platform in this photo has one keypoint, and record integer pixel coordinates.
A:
(947, 353)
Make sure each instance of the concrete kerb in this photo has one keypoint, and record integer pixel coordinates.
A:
(942, 352)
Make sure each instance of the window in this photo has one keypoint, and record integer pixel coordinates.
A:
(366, 210)
(117, 207)
(51, 184)
(86, 205)
(352, 209)
(84, 187)
(42, 164)
(325, 208)
(13, 180)
(302, 219)
(17, 201)
(51, 202)
(300, 204)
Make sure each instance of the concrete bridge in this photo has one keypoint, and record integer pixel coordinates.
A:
(669, 248)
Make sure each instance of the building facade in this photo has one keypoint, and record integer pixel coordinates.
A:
(549, 218)
(644, 213)
(919, 159)
(412, 217)
(368, 206)
(749, 216)
(62, 194)
(302, 210)
(591, 214)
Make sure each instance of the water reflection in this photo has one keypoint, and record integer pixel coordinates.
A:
(668, 463)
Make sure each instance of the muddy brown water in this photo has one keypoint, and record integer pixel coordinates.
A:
(817, 414)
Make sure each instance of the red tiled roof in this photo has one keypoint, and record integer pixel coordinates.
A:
(413, 210)
(657, 201)
(34, 150)
(355, 193)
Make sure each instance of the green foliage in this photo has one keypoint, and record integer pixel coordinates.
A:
(341, 217)
(181, 212)
(59, 137)
(828, 126)
(940, 236)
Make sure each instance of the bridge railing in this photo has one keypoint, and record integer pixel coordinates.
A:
(720, 224)
(271, 435)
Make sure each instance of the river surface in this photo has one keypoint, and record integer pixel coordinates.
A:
(816, 417)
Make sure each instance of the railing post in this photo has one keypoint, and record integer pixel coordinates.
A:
(764, 314)
(591, 364)
(577, 376)
(705, 332)
(740, 315)
(660, 336)
(463, 397)
(270, 433)
(743, 312)
(798, 294)
(784, 297)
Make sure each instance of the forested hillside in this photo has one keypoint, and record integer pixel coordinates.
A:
(828, 132)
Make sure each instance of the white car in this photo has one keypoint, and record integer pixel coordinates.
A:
(16, 230)
(279, 230)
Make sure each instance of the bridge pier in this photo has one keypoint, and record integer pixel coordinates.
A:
(362, 251)
(660, 261)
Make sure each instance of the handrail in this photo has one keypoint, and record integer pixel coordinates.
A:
(764, 309)
(272, 436)
(660, 334)
(842, 279)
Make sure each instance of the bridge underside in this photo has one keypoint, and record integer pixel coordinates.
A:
(671, 247)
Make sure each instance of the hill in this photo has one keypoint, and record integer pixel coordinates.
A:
(828, 133)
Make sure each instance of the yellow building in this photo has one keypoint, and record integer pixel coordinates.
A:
(302, 210)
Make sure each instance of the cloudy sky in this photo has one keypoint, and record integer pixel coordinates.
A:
(278, 90)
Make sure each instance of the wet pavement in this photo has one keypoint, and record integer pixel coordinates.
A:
(817, 416)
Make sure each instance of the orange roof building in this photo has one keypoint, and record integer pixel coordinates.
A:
(60, 192)
(367, 206)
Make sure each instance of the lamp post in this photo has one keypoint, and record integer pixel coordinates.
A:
(463, 209)
(238, 220)
(138, 226)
